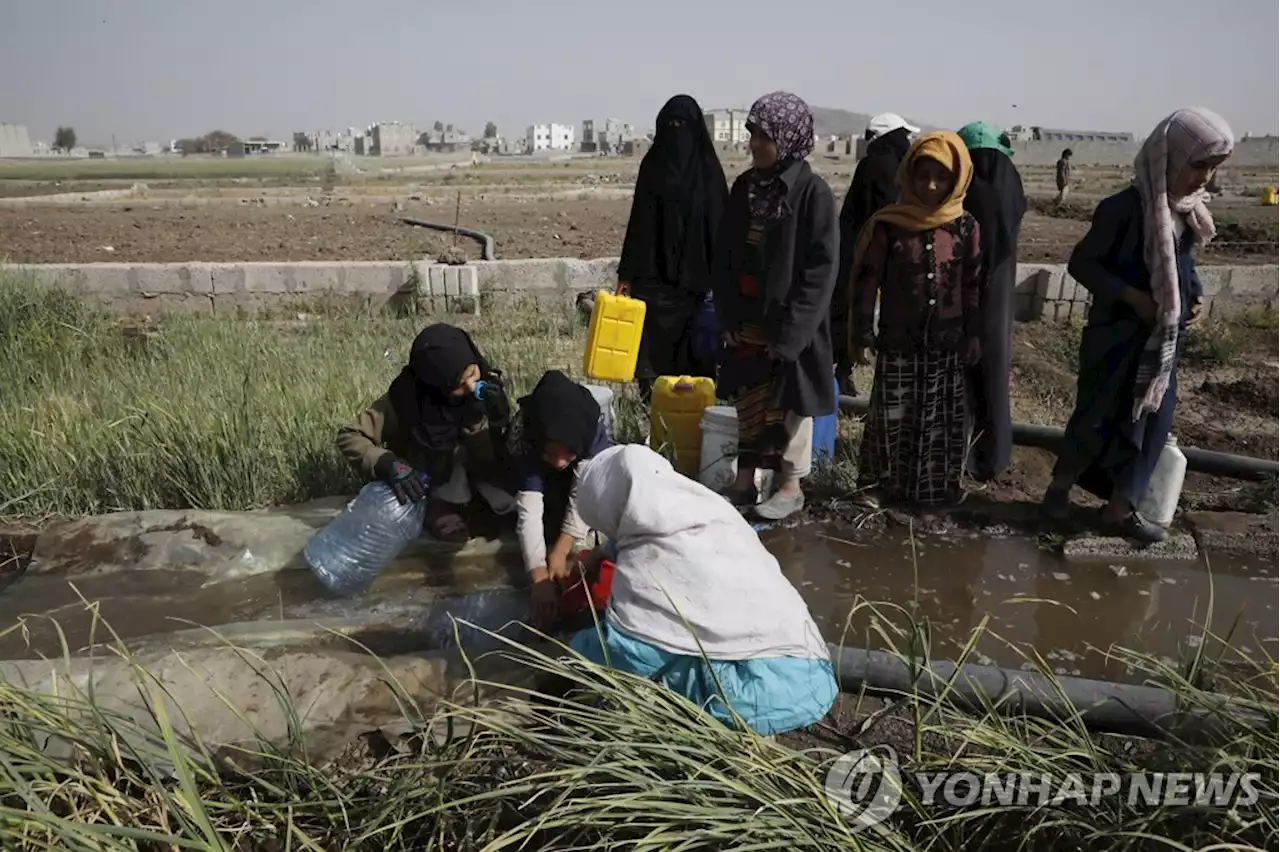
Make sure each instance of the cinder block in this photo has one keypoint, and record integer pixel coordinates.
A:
(435, 280)
(1214, 278)
(451, 281)
(370, 278)
(1254, 282)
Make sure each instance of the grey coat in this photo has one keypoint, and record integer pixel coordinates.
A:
(800, 254)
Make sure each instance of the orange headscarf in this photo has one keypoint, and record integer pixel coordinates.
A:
(946, 148)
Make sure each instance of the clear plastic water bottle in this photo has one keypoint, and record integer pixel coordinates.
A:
(350, 552)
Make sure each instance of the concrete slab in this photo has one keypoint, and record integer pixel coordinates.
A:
(1235, 532)
(1083, 547)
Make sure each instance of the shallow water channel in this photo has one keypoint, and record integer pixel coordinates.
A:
(1068, 611)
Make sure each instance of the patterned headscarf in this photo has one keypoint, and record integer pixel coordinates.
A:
(785, 119)
(1186, 137)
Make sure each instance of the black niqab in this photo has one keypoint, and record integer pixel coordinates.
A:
(680, 194)
(997, 200)
(563, 411)
(422, 395)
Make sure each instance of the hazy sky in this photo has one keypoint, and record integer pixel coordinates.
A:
(157, 69)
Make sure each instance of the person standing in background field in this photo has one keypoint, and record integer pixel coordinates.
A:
(1138, 261)
(874, 185)
(997, 202)
(666, 254)
(775, 272)
(1063, 176)
(923, 257)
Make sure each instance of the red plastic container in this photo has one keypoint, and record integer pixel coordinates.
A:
(580, 593)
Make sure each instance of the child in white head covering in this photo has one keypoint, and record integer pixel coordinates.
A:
(693, 581)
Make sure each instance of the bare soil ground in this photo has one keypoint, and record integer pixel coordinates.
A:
(510, 201)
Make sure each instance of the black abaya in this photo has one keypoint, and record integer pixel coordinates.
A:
(666, 255)
(996, 199)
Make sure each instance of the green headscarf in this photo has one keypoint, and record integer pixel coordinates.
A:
(979, 134)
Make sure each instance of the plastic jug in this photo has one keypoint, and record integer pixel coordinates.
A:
(1160, 502)
(824, 433)
(675, 419)
(350, 552)
(613, 337)
(1269, 196)
(604, 398)
(719, 461)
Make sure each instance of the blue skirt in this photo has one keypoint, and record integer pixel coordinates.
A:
(772, 695)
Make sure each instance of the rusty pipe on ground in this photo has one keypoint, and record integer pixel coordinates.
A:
(485, 241)
(1050, 438)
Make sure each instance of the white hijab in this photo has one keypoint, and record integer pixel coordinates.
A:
(686, 555)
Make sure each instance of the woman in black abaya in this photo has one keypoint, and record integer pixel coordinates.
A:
(997, 201)
(666, 255)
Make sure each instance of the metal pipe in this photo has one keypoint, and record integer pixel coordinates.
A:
(1050, 438)
(1100, 705)
(486, 241)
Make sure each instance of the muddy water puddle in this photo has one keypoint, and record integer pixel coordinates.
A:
(1069, 611)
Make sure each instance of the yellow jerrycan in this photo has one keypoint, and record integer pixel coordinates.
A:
(1268, 196)
(675, 419)
(613, 338)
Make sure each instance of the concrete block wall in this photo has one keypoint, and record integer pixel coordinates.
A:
(211, 287)
(1042, 291)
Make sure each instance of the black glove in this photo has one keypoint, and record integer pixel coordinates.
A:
(494, 399)
(405, 482)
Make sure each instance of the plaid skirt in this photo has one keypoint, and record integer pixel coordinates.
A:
(762, 428)
(913, 446)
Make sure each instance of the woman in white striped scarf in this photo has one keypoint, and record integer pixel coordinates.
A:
(1138, 261)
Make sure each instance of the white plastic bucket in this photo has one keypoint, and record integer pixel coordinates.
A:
(719, 447)
(604, 399)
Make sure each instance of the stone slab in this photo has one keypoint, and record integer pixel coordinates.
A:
(1235, 532)
(1178, 546)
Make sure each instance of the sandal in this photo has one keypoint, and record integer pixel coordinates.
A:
(445, 523)
(1136, 528)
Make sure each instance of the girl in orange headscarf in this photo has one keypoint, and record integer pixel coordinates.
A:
(922, 258)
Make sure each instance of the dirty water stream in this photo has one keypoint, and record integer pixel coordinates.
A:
(1068, 611)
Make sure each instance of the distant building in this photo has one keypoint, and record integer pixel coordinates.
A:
(15, 141)
(392, 139)
(448, 139)
(606, 135)
(543, 137)
(728, 125)
(1053, 134)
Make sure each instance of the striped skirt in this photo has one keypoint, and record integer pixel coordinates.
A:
(913, 446)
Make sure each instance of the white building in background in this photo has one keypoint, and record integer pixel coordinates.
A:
(542, 137)
(728, 125)
(15, 141)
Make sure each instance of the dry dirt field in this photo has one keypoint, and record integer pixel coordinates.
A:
(572, 209)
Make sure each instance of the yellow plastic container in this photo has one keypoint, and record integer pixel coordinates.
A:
(1268, 196)
(613, 338)
(675, 419)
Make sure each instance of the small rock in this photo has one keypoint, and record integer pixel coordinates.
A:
(1118, 570)
(106, 248)
(1095, 596)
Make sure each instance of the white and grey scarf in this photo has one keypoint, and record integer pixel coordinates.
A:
(1187, 136)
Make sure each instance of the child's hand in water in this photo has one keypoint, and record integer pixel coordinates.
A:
(544, 599)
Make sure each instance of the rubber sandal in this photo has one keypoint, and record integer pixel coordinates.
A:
(1136, 528)
(778, 507)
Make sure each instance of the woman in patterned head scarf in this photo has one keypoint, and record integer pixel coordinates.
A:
(775, 273)
(1138, 261)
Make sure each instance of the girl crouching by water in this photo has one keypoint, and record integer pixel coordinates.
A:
(1138, 261)
(922, 257)
(445, 415)
(692, 580)
(558, 427)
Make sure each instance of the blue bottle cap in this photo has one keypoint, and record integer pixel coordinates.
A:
(480, 386)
